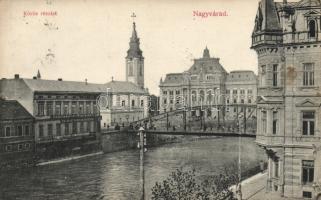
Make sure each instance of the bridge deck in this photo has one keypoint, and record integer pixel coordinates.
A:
(199, 133)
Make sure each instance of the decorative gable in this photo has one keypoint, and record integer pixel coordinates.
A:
(307, 103)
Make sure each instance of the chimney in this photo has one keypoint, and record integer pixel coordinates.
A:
(59, 79)
(16, 76)
(34, 77)
(86, 81)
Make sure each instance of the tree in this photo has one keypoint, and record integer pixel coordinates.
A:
(182, 185)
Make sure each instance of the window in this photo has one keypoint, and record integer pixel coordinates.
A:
(227, 101)
(250, 100)
(227, 91)
(82, 130)
(234, 100)
(58, 129)
(275, 122)
(249, 92)
(88, 108)
(66, 128)
(95, 108)
(27, 146)
(165, 101)
(142, 103)
(19, 129)
(171, 92)
(133, 103)
(312, 29)
(242, 91)
(50, 130)
(40, 130)
(73, 108)
(88, 127)
(49, 108)
(141, 70)
(27, 130)
(210, 77)
(308, 74)
(171, 101)
(41, 109)
(234, 91)
(264, 115)
(177, 92)
(81, 107)
(20, 147)
(123, 103)
(164, 92)
(242, 101)
(66, 108)
(276, 168)
(58, 108)
(275, 75)
(263, 78)
(9, 147)
(306, 194)
(130, 70)
(307, 171)
(74, 128)
(308, 120)
(177, 100)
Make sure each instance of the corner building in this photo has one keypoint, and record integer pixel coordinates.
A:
(286, 38)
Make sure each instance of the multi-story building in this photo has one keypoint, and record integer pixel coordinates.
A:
(207, 83)
(197, 86)
(241, 88)
(122, 103)
(64, 110)
(16, 135)
(287, 40)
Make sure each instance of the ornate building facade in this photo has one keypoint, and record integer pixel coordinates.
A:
(206, 82)
(286, 38)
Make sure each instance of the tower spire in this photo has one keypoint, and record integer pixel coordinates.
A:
(38, 75)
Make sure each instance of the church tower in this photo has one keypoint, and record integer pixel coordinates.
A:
(135, 61)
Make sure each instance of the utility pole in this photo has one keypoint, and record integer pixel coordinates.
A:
(244, 121)
(167, 121)
(142, 146)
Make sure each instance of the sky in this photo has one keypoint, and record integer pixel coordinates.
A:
(89, 39)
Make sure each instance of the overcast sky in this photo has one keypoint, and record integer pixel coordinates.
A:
(89, 39)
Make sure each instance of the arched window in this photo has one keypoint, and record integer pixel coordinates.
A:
(312, 28)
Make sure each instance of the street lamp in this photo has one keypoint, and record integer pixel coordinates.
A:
(142, 146)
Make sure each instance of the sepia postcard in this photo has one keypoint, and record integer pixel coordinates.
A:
(160, 100)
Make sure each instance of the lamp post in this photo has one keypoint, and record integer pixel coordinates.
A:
(142, 144)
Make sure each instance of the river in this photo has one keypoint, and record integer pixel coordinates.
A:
(116, 175)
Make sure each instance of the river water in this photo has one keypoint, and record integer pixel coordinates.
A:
(117, 175)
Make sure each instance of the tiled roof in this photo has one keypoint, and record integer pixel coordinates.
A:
(11, 109)
(124, 87)
(42, 85)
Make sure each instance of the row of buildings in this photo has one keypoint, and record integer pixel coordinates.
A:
(287, 40)
(63, 117)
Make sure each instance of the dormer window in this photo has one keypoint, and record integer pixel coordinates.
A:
(312, 28)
